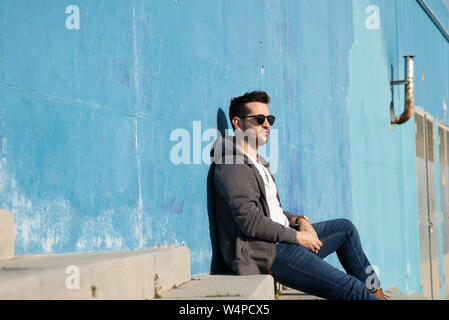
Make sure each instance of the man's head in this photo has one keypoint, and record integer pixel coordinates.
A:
(249, 113)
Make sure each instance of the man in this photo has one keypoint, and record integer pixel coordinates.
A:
(256, 236)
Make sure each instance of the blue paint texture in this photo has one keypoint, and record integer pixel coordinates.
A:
(86, 118)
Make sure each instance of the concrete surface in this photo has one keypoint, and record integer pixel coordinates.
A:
(392, 294)
(6, 235)
(171, 267)
(395, 294)
(224, 287)
(94, 275)
(292, 294)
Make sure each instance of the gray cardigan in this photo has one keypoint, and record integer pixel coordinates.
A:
(246, 234)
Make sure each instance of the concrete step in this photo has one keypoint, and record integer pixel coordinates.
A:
(392, 294)
(395, 294)
(292, 294)
(6, 234)
(224, 287)
(138, 274)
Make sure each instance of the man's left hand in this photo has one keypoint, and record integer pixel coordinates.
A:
(305, 225)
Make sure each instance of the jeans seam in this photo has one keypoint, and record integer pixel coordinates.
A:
(357, 255)
(352, 246)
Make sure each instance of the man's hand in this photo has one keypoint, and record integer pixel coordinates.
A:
(305, 225)
(309, 240)
(307, 235)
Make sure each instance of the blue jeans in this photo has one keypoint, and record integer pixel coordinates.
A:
(298, 268)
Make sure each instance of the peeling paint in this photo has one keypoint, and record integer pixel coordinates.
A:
(100, 233)
(42, 226)
(3, 147)
(3, 175)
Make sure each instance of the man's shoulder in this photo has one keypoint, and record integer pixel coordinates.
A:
(242, 172)
(233, 167)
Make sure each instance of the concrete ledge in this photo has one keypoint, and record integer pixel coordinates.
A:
(395, 294)
(392, 294)
(6, 235)
(225, 287)
(171, 268)
(93, 275)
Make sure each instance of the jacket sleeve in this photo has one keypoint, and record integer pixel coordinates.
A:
(289, 216)
(237, 185)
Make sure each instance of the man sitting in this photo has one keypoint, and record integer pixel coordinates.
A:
(256, 236)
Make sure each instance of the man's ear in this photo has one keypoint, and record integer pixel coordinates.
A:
(236, 122)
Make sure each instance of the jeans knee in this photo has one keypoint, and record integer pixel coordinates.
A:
(348, 225)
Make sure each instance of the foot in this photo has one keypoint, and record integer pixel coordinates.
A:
(378, 293)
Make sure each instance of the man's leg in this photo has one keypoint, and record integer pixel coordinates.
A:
(299, 268)
(342, 237)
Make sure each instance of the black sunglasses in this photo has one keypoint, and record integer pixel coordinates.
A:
(261, 118)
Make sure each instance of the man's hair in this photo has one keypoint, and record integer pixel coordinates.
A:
(238, 108)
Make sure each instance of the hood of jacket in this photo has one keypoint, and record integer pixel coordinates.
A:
(225, 151)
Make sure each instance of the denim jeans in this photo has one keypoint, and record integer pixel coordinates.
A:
(301, 269)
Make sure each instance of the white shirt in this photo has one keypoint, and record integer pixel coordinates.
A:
(276, 212)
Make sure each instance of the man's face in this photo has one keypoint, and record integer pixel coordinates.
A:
(252, 128)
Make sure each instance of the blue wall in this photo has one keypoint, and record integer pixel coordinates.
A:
(86, 117)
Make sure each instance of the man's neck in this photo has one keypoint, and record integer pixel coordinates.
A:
(249, 150)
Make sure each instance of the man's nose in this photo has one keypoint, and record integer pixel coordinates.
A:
(265, 124)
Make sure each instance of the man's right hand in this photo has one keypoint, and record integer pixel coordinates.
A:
(309, 240)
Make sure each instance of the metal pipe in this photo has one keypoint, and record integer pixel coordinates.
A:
(409, 87)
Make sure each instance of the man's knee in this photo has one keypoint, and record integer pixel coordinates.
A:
(347, 225)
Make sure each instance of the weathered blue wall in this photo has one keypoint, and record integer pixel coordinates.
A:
(86, 117)
(422, 37)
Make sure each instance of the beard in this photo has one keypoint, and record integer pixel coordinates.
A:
(252, 137)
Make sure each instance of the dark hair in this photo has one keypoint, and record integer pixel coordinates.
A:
(238, 108)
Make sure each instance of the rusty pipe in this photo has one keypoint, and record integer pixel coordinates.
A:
(409, 85)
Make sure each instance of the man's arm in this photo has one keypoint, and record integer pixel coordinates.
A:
(296, 220)
(290, 217)
(306, 234)
(238, 186)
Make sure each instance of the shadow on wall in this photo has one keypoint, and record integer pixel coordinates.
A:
(218, 265)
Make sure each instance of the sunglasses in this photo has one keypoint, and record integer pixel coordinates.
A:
(261, 118)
